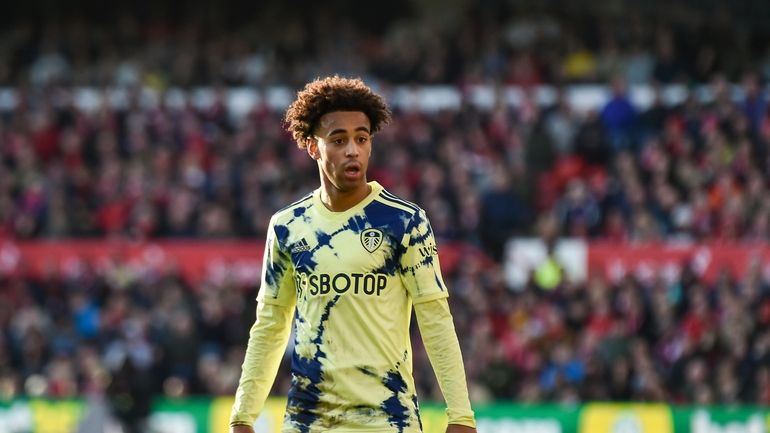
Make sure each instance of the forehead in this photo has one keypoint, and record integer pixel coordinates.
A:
(342, 120)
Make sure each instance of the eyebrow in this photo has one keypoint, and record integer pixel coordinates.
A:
(341, 130)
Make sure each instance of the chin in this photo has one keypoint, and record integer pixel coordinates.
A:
(347, 185)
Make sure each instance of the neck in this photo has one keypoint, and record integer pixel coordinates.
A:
(339, 201)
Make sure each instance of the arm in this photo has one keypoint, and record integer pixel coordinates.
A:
(421, 274)
(438, 334)
(267, 342)
(268, 335)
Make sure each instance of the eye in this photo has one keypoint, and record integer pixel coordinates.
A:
(362, 139)
(338, 141)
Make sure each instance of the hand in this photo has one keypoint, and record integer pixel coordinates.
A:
(457, 428)
(241, 429)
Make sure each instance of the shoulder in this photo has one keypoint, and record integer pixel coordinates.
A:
(397, 204)
(292, 210)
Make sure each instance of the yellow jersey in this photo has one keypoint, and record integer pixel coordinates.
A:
(353, 277)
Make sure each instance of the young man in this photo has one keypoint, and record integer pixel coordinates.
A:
(352, 260)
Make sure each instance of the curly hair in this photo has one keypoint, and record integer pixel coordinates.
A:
(325, 95)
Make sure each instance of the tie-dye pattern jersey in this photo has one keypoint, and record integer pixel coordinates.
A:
(353, 276)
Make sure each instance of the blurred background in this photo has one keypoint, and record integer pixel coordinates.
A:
(596, 173)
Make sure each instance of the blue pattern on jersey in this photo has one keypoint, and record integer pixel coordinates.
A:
(307, 374)
(415, 237)
(417, 409)
(304, 261)
(390, 266)
(281, 234)
(388, 218)
(274, 272)
(324, 239)
(438, 281)
(357, 223)
(391, 221)
(299, 212)
(427, 261)
(367, 371)
(398, 414)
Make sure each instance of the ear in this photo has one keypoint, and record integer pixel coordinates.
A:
(312, 148)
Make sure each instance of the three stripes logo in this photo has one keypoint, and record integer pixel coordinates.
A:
(371, 239)
(300, 246)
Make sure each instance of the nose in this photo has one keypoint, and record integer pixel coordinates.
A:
(351, 149)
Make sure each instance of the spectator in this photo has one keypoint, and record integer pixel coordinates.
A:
(503, 213)
(619, 117)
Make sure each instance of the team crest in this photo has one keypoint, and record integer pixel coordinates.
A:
(371, 239)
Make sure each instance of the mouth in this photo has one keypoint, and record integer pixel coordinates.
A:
(352, 170)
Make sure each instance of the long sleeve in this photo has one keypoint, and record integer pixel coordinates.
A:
(438, 334)
(267, 341)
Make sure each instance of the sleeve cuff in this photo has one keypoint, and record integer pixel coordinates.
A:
(431, 297)
(467, 421)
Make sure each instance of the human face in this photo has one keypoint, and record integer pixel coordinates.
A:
(342, 145)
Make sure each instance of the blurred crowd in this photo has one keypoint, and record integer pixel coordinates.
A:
(458, 42)
(685, 341)
(127, 336)
(697, 170)
(693, 171)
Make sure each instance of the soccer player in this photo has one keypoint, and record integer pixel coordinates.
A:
(346, 264)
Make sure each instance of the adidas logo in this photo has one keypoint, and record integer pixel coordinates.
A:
(300, 246)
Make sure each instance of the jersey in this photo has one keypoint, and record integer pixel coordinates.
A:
(354, 277)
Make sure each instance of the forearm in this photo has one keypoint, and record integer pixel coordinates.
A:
(438, 334)
(267, 342)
